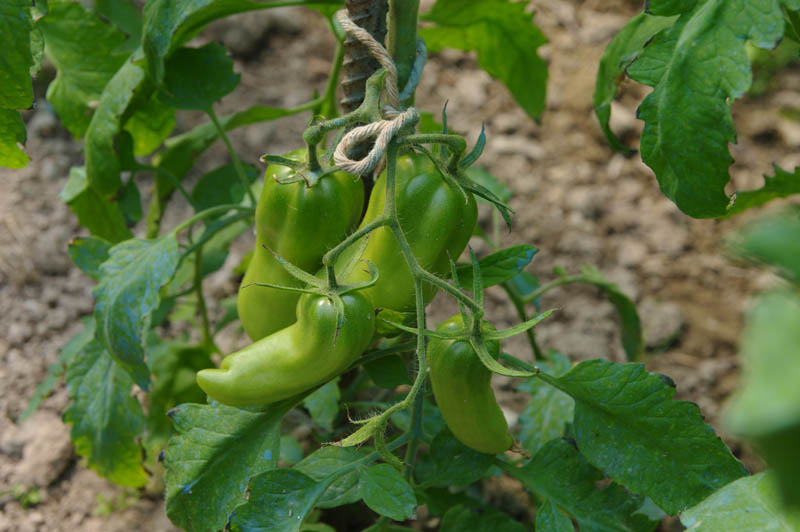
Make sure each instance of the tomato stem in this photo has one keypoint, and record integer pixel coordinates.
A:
(330, 257)
(208, 339)
(237, 164)
(328, 107)
(401, 37)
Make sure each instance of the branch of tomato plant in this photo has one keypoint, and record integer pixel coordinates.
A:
(208, 338)
(211, 211)
(368, 111)
(208, 235)
(401, 37)
(376, 354)
(513, 295)
(539, 292)
(416, 412)
(237, 164)
(174, 180)
(328, 107)
(519, 305)
(456, 143)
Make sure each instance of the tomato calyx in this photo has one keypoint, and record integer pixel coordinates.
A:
(309, 171)
(328, 287)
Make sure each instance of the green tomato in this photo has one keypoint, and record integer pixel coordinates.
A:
(300, 224)
(437, 220)
(463, 391)
(295, 359)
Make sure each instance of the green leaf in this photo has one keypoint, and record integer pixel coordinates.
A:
(500, 266)
(489, 182)
(149, 125)
(125, 15)
(221, 186)
(106, 419)
(561, 474)
(74, 346)
(620, 52)
(130, 202)
(170, 23)
(328, 461)
(127, 293)
(627, 424)
(451, 463)
(766, 408)
(525, 284)
(782, 185)
(197, 77)
(483, 519)
(749, 504)
(323, 404)
(774, 241)
(696, 68)
(388, 372)
(550, 519)
(16, 61)
(174, 366)
(792, 20)
(12, 138)
(386, 492)
(85, 51)
(102, 161)
(88, 254)
(279, 500)
(317, 527)
(549, 410)
(440, 500)
(231, 314)
(101, 217)
(630, 326)
(215, 452)
(506, 41)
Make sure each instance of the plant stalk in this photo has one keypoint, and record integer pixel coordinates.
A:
(401, 37)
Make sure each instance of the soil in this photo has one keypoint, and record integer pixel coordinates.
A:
(575, 199)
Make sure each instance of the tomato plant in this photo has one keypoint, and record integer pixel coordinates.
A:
(336, 299)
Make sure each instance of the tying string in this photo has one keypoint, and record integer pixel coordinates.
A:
(384, 130)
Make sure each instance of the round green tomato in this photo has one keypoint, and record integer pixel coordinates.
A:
(308, 353)
(300, 224)
(463, 391)
(437, 220)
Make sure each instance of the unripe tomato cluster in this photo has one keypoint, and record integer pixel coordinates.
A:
(302, 342)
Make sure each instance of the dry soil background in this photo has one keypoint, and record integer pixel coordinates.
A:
(575, 199)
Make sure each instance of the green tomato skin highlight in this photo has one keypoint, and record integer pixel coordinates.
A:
(437, 221)
(295, 359)
(463, 391)
(300, 224)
